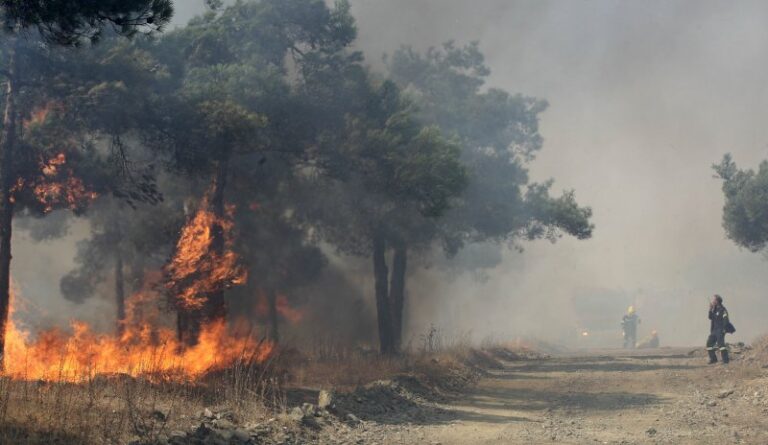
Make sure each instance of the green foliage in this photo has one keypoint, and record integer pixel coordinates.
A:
(388, 174)
(268, 98)
(72, 22)
(397, 158)
(745, 213)
(498, 134)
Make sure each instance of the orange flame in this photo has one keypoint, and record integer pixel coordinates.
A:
(289, 313)
(142, 350)
(284, 309)
(197, 270)
(57, 187)
(39, 115)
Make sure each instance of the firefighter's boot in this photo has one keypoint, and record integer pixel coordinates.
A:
(712, 356)
(724, 355)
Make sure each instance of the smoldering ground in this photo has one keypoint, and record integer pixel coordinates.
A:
(644, 97)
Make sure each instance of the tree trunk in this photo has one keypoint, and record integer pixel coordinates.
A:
(216, 305)
(187, 327)
(7, 147)
(397, 293)
(119, 291)
(273, 316)
(383, 309)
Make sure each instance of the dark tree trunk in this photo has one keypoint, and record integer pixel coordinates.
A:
(188, 327)
(119, 291)
(216, 306)
(274, 333)
(397, 293)
(7, 147)
(383, 309)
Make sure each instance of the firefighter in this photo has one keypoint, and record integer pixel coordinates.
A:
(629, 324)
(719, 325)
(650, 342)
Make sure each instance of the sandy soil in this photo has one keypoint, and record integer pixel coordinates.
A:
(610, 397)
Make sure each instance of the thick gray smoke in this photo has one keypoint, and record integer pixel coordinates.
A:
(644, 97)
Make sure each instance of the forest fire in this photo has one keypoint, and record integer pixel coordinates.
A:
(197, 268)
(143, 349)
(56, 186)
(69, 194)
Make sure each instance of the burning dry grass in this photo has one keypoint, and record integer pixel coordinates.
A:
(144, 349)
(119, 408)
(109, 408)
(149, 353)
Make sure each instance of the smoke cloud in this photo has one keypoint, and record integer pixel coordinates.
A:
(644, 97)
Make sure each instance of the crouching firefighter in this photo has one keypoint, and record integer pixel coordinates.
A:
(719, 326)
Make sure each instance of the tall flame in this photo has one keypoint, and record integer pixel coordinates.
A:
(197, 269)
(144, 349)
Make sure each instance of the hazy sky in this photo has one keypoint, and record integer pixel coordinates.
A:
(644, 97)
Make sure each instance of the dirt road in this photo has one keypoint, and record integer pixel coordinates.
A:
(613, 397)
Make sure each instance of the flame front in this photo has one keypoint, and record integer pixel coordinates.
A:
(144, 349)
(146, 345)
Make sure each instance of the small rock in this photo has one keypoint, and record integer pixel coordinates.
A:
(310, 422)
(651, 432)
(296, 413)
(223, 424)
(725, 393)
(207, 413)
(308, 409)
(712, 403)
(158, 415)
(353, 419)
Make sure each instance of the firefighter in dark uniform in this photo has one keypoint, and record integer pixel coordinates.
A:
(718, 316)
(629, 325)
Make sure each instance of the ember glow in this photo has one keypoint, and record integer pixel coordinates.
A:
(284, 309)
(196, 269)
(39, 115)
(57, 186)
(144, 349)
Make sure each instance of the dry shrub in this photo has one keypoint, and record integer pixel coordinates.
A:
(344, 372)
(440, 362)
(759, 350)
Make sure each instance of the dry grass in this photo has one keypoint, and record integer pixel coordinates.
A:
(430, 356)
(118, 409)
